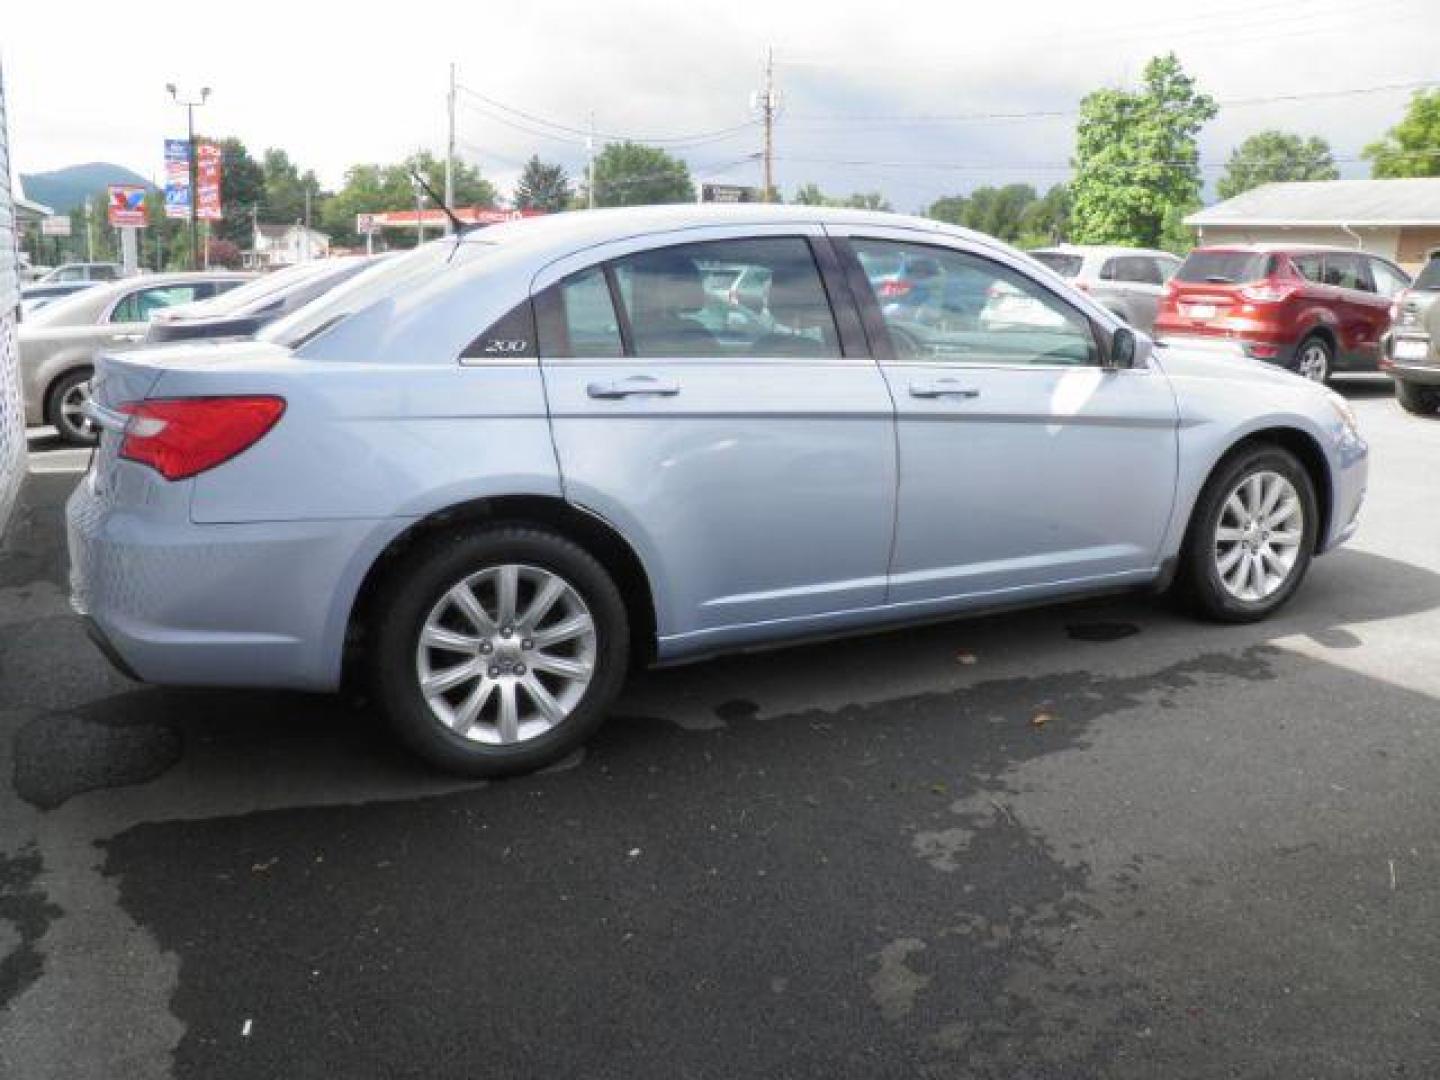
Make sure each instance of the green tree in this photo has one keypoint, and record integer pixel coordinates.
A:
(371, 188)
(1136, 162)
(810, 195)
(951, 209)
(1411, 147)
(542, 187)
(867, 200)
(1047, 219)
(285, 189)
(631, 174)
(1269, 156)
(242, 191)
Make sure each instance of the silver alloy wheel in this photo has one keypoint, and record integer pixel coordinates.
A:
(72, 410)
(1314, 364)
(506, 654)
(1258, 537)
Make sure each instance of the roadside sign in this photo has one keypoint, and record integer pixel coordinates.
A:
(177, 178)
(207, 178)
(126, 206)
(59, 225)
(367, 224)
(728, 193)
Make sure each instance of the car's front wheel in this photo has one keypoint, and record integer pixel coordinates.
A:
(497, 651)
(1417, 399)
(1251, 536)
(1313, 359)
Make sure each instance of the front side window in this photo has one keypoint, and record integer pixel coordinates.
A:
(1311, 267)
(965, 309)
(139, 305)
(758, 297)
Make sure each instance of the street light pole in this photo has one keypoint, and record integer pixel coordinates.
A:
(190, 107)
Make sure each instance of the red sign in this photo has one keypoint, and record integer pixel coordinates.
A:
(207, 179)
(126, 206)
(408, 219)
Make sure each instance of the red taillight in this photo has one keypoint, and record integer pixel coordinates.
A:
(894, 288)
(1266, 293)
(182, 437)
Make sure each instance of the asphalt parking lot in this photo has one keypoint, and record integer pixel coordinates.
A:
(1100, 840)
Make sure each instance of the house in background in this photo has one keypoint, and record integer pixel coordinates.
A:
(285, 245)
(1397, 219)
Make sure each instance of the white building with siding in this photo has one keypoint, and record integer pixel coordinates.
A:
(12, 420)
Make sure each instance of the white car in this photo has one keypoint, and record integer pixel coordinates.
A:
(1128, 281)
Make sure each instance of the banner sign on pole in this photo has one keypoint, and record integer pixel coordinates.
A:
(177, 178)
(208, 179)
(126, 206)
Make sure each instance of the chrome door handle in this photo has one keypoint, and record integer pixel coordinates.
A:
(129, 337)
(635, 386)
(942, 388)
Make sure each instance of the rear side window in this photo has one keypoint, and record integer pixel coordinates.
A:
(1348, 272)
(1223, 267)
(1388, 280)
(1135, 269)
(1066, 265)
(578, 318)
(689, 301)
(138, 306)
(1429, 276)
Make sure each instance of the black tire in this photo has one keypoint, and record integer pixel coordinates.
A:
(1324, 352)
(60, 417)
(1417, 399)
(411, 592)
(1198, 582)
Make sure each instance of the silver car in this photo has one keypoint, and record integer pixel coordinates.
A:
(490, 476)
(58, 343)
(1128, 281)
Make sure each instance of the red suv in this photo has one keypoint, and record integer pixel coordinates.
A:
(1315, 310)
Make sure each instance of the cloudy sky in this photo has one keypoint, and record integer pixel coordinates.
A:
(914, 99)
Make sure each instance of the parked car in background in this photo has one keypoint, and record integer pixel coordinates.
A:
(1412, 348)
(495, 471)
(1127, 281)
(58, 345)
(35, 297)
(242, 311)
(1318, 311)
(83, 271)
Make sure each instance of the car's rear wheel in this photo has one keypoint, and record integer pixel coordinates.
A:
(497, 651)
(1417, 399)
(65, 408)
(1251, 535)
(1314, 358)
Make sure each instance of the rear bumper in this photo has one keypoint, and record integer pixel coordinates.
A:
(181, 604)
(1424, 371)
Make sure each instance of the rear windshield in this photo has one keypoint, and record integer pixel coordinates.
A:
(1430, 276)
(383, 279)
(1223, 267)
(1065, 265)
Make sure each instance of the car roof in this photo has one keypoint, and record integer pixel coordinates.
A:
(84, 307)
(1275, 247)
(1100, 249)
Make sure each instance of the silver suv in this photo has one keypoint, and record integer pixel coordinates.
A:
(1127, 281)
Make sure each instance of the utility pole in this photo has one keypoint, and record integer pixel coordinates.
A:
(590, 163)
(450, 151)
(190, 107)
(767, 107)
(307, 223)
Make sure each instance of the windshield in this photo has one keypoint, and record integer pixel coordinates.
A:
(1066, 266)
(384, 279)
(1429, 277)
(1222, 267)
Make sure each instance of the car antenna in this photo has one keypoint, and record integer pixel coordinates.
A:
(461, 227)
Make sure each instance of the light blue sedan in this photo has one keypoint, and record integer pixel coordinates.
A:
(492, 475)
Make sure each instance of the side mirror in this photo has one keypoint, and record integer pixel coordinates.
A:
(1127, 349)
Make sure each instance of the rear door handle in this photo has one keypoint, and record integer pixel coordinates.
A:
(942, 388)
(634, 386)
